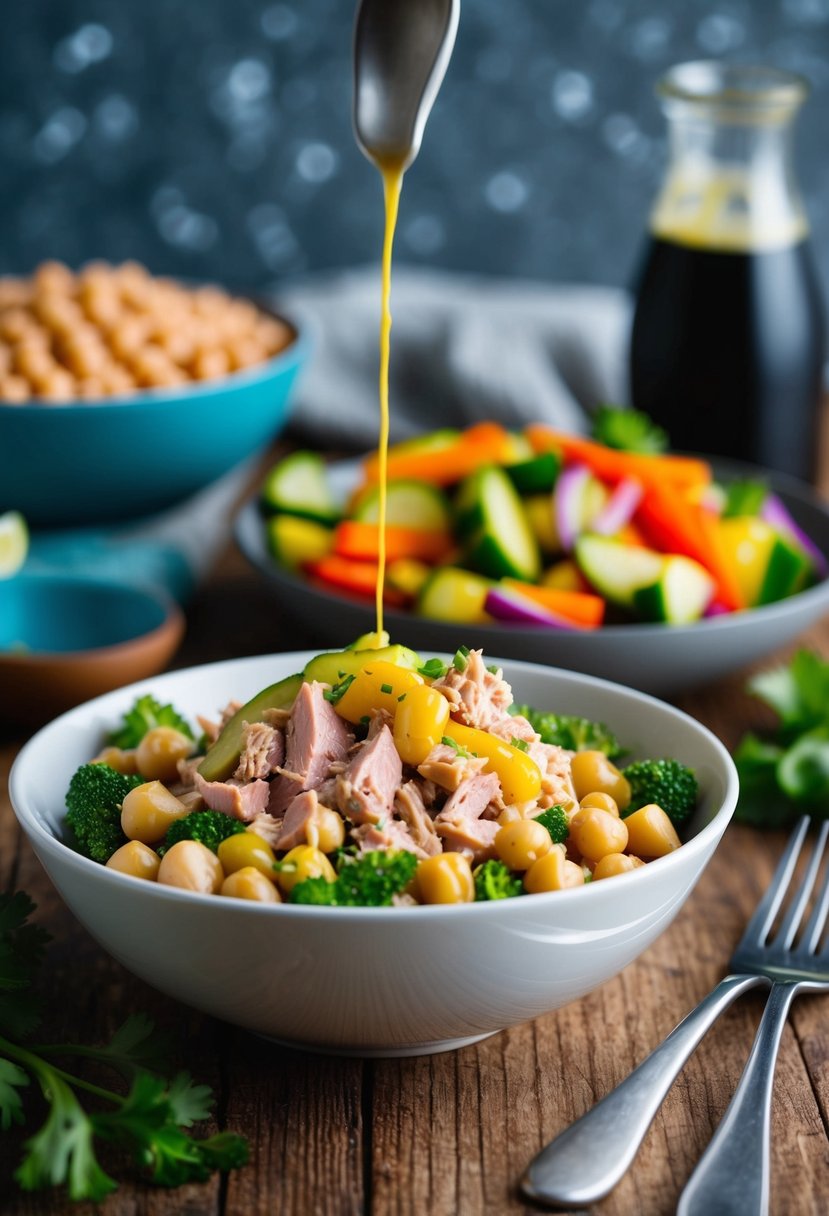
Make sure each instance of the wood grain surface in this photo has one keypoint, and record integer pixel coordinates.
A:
(449, 1135)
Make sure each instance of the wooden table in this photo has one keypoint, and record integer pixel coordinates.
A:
(449, 1135)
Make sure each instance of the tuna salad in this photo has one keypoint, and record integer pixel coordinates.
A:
(374, 778)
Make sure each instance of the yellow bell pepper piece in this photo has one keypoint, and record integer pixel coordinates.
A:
(378, 685)
(747, 544)
(518, 773)
(419, 723)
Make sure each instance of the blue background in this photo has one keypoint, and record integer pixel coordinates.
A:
(212, 138)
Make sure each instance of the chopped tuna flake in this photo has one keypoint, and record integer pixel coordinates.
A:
(476, 696)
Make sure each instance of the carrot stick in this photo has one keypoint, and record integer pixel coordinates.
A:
(675, 525)
(613, 466)
(353, 538)
(577, 606)
(485, 443)
(358, 578)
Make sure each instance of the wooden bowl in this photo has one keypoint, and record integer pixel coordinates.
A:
(65, 639)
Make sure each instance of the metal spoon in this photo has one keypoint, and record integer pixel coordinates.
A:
(401, 51)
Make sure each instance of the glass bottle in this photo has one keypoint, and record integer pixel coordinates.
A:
(728, 339)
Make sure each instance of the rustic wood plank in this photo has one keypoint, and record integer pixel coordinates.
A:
(304, 1116)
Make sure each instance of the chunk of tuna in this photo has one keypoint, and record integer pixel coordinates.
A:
(298, 816)
(448, 768)
(460, 825)
(365, 791)
(243, 801)
(392, 834)
(476, 696)
(263, 751)
(409, 805)
(315, 737)
(556, 776)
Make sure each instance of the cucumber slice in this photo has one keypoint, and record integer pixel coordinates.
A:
(370, 641)
(457, 595)
(787, 572)
(294, 541)
(679, 596)
(298, 485)
(615, 569)
(329, 668)
(223, 756)
(536, 475)
(409, 504)
(491, 517)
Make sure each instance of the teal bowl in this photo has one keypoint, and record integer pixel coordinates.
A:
(66, 638)
(65, 464)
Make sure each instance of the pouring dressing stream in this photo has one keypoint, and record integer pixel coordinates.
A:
(401, 51)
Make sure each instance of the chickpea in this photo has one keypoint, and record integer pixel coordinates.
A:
(650, 832)
(603, 801)
(15, 389)
(303, 862)
(592, 772)
(59, 386)
(250, 883)
(159, 752)
(191, 865)
(210, 364)
(148, 810)
(521, 843)
(247, 851)
(615, 863)
(553, 872)
(119, 759)
(595, 833)
(445, 879)
(326, 830)
(136, 859)
(54, 277)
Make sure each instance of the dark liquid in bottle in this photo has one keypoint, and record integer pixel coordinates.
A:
(727, 352)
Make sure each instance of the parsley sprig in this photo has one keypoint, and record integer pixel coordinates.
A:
(151, 1120)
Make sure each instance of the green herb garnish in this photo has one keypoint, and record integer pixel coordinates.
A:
(628, 431)
(433, 669)
(386, 688)
(152, 1120)
(337, 693)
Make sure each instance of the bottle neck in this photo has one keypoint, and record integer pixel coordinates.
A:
(729, 186)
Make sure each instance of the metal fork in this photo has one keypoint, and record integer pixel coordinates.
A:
(572, 1171)
(733, 1173)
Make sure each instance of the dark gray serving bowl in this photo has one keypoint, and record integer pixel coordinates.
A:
(654, 658)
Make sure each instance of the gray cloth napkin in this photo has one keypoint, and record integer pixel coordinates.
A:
(463, 349)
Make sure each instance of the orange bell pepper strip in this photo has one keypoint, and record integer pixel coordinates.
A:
(612, 466)
(579, 607)
(675, 525)
(484, 443)
(358, 578)
(361, 540)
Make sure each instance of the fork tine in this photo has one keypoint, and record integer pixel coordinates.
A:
(817, 921)
(758, 927)
(794, 914)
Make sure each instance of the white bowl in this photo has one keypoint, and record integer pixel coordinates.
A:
(386, 981)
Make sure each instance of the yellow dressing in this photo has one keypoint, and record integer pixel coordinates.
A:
(392, 174)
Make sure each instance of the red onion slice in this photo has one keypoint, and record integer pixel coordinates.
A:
(515, 609)
(619, 509)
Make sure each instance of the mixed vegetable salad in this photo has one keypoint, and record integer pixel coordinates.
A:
(374, 778)
(543, 529)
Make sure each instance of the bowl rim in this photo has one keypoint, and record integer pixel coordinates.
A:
(292, 354)
(250, 514)
(696, 845)
(172, 618)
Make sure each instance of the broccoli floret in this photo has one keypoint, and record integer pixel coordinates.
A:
(628, 430)
(370, 881)
(93, 809)
(555, 821)
(145, 714)
(666, 782)
(495, 880)
(568, 730)
(314, 891)
(210, 828)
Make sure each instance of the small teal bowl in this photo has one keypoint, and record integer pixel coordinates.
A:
(66, 638)
(65, 464)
